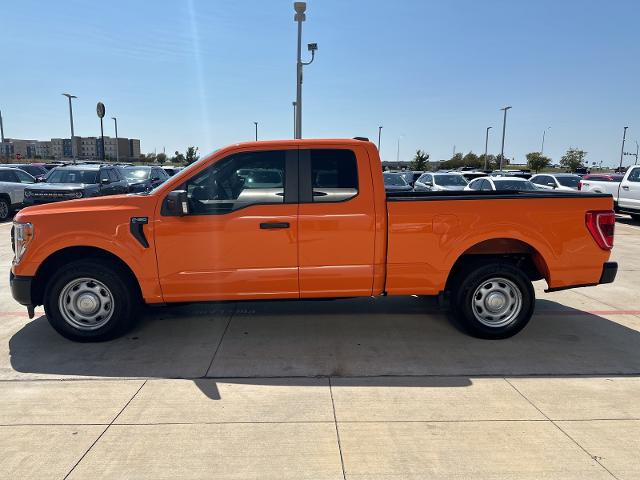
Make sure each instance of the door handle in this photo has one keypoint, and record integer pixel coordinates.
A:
(625, 187)
(268, 226)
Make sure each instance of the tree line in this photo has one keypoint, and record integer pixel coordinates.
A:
(187, 158)
(573, 159)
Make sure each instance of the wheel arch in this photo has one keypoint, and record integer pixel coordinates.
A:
(69, 254)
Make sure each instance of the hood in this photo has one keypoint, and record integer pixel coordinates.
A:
(398, 188)
(451, 188)
(62, 187)
(93, 203)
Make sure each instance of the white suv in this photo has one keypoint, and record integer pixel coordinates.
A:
(12, 184)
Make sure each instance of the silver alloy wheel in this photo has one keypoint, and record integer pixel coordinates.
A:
(86, 304)
(4, 210)
(496, 302)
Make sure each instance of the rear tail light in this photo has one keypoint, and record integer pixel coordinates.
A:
(601, 225)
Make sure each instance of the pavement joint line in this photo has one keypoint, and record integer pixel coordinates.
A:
(598, 300)
(235, 308)
(593, 457)
(335, 422)
(104, 431)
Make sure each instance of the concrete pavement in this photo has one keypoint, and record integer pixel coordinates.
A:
(363, 389)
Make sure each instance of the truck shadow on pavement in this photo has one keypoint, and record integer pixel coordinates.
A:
(280, 341)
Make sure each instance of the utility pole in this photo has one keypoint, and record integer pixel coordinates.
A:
(398, 151)
(294, 119)
(256, 124)
(379, 136)
(300, 8)
(73, 152)
(634, 154)
(543, 134)
(115, 120)
(486, 147)
(504, 129)
(624, 136)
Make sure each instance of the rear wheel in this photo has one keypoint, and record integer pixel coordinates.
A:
(91, 301)
(5, 209)
(493, 300)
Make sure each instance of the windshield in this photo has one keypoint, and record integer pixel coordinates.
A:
(394, 179)
(450, 180)
(569, 181)
(136, 174)
(72, 176)
(514, 185)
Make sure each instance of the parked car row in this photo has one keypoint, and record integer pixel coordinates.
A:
(32, 184)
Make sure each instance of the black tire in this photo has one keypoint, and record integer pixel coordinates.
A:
(466, 311)
(5, 209)
(121, 304)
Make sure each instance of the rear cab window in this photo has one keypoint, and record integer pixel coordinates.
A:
(334, 175)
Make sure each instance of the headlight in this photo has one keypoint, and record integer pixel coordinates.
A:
(22, 236)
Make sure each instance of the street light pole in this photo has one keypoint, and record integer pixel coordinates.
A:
(504, 129)
(294, 119)
(624, 136)
(379, 136)
(398, 151)
(486, 147)
(1, 128)
(69, 96)
(256, 124)
(300, 8)
(115, 120)
(637, 149)
(543, 135)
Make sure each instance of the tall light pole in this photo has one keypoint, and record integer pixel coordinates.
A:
(1, 128)
(294, 119)
(543, 135)
(115, 120)
(486, 146)
(300, 8)
(624, 136)
(69, 96)
(256, 125)
(398, 150)
(637, 151)
(504, 129)
(379, 136)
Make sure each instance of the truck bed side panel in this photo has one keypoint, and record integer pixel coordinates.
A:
(427, 235)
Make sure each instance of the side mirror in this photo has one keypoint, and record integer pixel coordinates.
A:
(551, 184)
(155, 179)
(105, 181)
(176, 204)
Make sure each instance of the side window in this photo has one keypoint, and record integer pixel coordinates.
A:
(113, 175)
(23, 177)
(476, 184)
(634, 176)
(428, 179)
(103, 175)
(486, 186)
(5, 176)
(238, 181)
(334, 175)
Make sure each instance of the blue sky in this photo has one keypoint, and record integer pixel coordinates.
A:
(435, 74)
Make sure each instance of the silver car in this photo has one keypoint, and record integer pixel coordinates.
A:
(12, 184)
(440, 182)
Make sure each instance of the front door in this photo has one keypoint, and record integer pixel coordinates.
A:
(629, 194)
(240, 239)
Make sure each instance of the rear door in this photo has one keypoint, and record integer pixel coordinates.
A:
(630, 190)
(336, 223)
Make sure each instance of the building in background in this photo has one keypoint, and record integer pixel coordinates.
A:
(86, 148)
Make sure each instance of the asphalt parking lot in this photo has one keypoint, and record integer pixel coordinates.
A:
(361, 389)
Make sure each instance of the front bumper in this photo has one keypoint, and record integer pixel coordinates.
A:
(608, 275)
(21, 289)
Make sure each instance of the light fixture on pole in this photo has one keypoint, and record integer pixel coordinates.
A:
(256, 125)
(543, 135)
(300, 8)
(504, 129)
(115, 120)
(379, 136)
(486, 146)
(624, 136)
(73, 152)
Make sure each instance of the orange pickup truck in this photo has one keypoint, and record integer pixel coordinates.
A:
(304, 219)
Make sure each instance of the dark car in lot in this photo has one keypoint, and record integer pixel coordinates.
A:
(395, 182)
(71, 182)
(144, 178)
(36, 171)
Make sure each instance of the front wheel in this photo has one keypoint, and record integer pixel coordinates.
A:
(5, 209)
(493, 300)
(90, 301)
